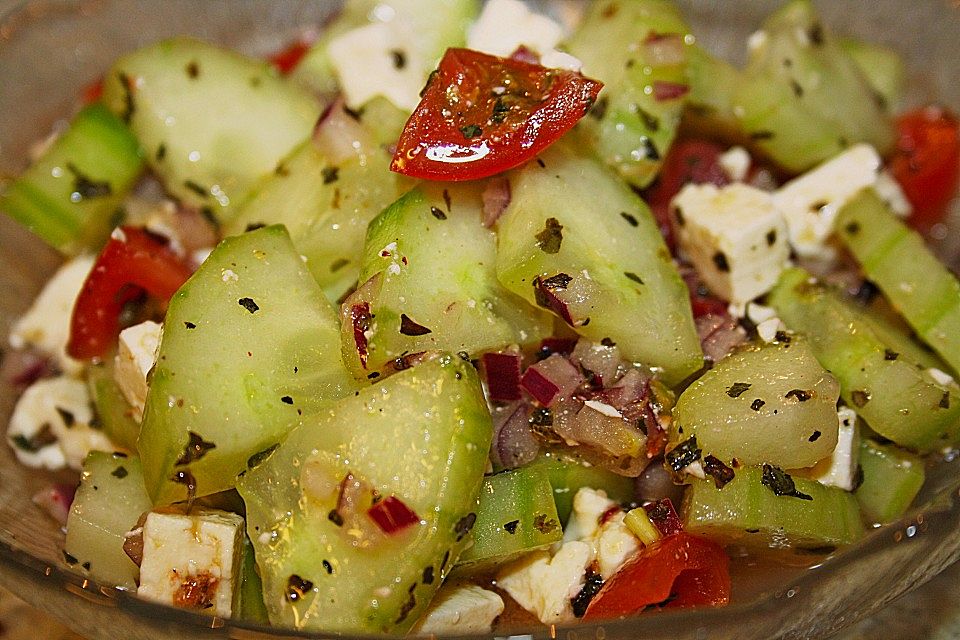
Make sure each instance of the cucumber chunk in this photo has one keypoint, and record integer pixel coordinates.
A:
(634, 121)
(765, 403)
(895, 396)
(576, 240)
(428, 269)
(881, 66)
(70, 197)
(211, 122)
(516, 514)
(801, 98)
(114, 414)
(420, 436)
(109, 502)
(746, 511)
(568, 475)
(251, 605)
(892, 478)
(896, 259)
(250, 347)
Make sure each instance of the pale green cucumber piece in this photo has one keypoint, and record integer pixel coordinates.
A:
(892, 478)
(894, 395)
(383, 120)
(250, 347)
(568, 475)
(516, 514)
(70, 197)
(713, 85)
(428, 260)
(883, 68)
(745, 511)
(628, 127)
(109, 502)
(114, 414)
(433, 26)
(251, 605)
(211, 122)
(769, 403)
(802, 98)
(421, 436)
(621, 283)
(326, 207)
(898, 261)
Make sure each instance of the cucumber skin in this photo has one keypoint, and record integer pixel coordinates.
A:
(651, 322)
(113, 410)
(438, 410)
(894, 397)
(211, 122)
(99, 146)
(226, 377)
(567, 476)
(892, 478)
(747, 512)
(898, 261)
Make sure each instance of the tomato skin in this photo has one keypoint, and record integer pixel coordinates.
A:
(131, 262)
(286, 60)
(694, 570)
(480, 115)
(926, 162)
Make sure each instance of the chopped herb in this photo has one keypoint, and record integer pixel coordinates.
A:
(860, 398)
(890, 354)
(253, 226)
(471, 131)
(198, 189)
(632, 276)
(427, 575)
(737, 389)
(410, 328)
(42, 438)
(511, 527)
(249, 304)
(545, 525)
(551, 237)
(591, 587)
(260, 457)
(814, 436)
(399, 58)
(762, 135)
(67, 416)
(799, 394)
(85, 188)
(330, 174)
(438, 213)
(945, 400)
(684, 454)
(780, 483)
(599, 109)
(721, 473)
(464, 525)
(196, 448)
(757, 404)
(771, 237)
(720, 260)
(120, 473)
(189, 325)
(335, 517)
(297, 587)
(631, 219)
(286, 400)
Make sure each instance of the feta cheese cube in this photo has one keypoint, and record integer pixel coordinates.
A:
(377, 60)
(734, 236)
(50, 426)
(460, 610)
(136, 355)
(890, 192)
(505, 25)
(810, 202)
(591, 522)
(589, 505)
(736, 162)
(46, 325)
(840, 468)
(614, 543)
(544, 585)
(192, 561)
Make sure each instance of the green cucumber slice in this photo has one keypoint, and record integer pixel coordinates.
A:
(114, 414)
(568, 475)
(892, 478)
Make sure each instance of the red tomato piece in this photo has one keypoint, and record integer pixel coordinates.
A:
(132, 261)
(286, 60)
(92, 92)
(926, 162)
(680, 570)
(480, 115)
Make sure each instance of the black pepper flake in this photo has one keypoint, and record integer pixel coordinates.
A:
(545, 525)
(945, 400)
(541, 163)
(399, 58)
(198, 189)
(464, 525)
(438, 213)
(859, 398)
(799, 394)
(446, 199)
(649, 149)
(330, 174)
(189, 325)
(797, 89)
(297, 588)
(373, 375)
(427, 575)
(890, 354)
(678, 214)
(253, 226)
(260, 457)
(607, 342)
(69, 559)
(541, 417)
(335, 517)
(762, 135)
(720, 260)
(814, 436)
(757, 404)
(685, 453)
(120, 473)
(67, 416)
(630, 218)
(781, 483)
(129, 105)
(550, 239)
(286, 400)
(737, 389)
(721, 473)
(471, 131)
(196, 448)
(161, 152)
(632, 276)
(327, 567)
(650, 121)
(249, 304)
(771, 237)
(591, 587)
(782, 337)
(410, 328)
(816, 33)
(444, 560)
(86, 565)
(86, 187)
(852, 228)
(193, 70)
(511, 527)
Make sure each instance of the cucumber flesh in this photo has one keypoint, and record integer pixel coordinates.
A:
(892, 478)
(568, 475)
(575, 239)
(881, 66)
(352, 578)
(70, 197)
(250, 347)
(114, 414)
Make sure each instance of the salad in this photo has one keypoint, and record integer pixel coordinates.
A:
(460, 311)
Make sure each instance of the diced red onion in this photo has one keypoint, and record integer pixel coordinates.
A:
(360, 314)
(549, 296)
(496, 199)
(609, 434)
(392, 515)
(22, 368)
(664, 49)
(628, 392)
(663, 90)
(550, 379)
(338, 135)
(502, 371)
(550, 346)
(524, 54)
(514, 442)
(719, 334)
(664, 517)
(656, 483)
(56, 500)
(601, 361)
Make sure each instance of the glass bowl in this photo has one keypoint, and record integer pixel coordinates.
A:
(50, 49)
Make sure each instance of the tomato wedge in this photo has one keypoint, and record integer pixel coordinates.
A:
(132, 261)
(680, 570)
(480, 115)
(287, 59)
(926, 162)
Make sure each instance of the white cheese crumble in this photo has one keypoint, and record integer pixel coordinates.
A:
(839, 469)
(136, 355)
(460, 610)
(506, 25)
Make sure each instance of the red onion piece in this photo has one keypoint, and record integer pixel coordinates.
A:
(338, 135)
(550, 346)
(601, 361)
(392, 515)
(56, 500)
(663, 90)
(550, 379)
(524, 54)
(719, 334)
(496, 199)
(22, 368)
(360, 314)
(549, 295)
(502, 371)
(664, 49)
(608, 434)
(664, 516)
(631, 390)
(514, 442)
